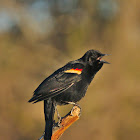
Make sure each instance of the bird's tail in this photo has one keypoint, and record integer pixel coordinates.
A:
(49, 110)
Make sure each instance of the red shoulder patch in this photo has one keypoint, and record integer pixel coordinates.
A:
(77, 71)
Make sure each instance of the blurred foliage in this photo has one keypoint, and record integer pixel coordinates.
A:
(39, 36)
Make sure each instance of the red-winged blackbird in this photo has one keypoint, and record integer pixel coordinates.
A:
(67, 85)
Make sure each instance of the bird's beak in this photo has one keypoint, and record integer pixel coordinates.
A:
(103, 61)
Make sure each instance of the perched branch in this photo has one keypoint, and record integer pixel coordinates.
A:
(66, 122)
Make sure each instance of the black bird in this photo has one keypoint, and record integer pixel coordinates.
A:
(67, 85)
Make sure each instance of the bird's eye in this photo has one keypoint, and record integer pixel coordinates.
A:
(90, 60)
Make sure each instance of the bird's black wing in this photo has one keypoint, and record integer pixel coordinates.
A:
(58, 82)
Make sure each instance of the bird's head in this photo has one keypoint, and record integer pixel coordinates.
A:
(93, 58)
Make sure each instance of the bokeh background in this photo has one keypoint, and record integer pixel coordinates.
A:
(39, 36)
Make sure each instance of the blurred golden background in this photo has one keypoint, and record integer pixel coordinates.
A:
(39, 36)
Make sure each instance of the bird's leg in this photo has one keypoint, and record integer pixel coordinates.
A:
(58, 116)
(74, 104)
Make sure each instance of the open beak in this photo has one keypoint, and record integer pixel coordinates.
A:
(103, 61)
